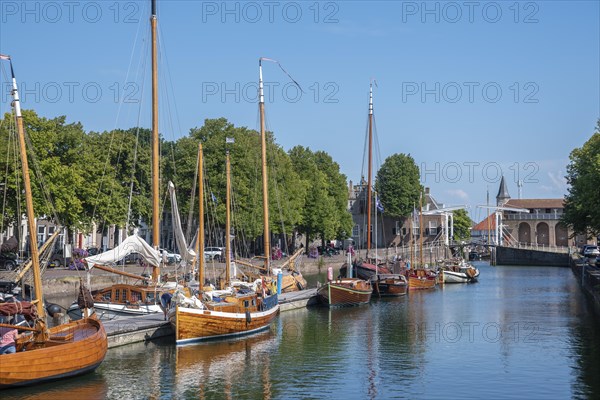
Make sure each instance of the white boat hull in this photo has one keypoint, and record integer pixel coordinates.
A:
(459, 277)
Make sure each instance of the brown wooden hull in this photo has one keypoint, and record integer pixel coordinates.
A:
(419, 282)
(82, 351)
(193, 325)
(345, 292)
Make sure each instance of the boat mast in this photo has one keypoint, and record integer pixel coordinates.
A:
(35, 260)
(421, 230)
(370, 168)
(155, 142)
(200, 242)
(411, 242)
(227, 221)
(261, 107)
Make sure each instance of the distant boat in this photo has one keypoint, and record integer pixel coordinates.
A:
(421, 277)
(383, 281)
(345, 292)
(459, 271)
(46, 354)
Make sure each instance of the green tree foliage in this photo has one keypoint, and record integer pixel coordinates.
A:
(325, 207)
(286, 196)
(397, 183)
(462, 225)
(56, 173)
(582, 203)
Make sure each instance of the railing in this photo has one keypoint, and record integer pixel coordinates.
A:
(542, 247)
(533, 216)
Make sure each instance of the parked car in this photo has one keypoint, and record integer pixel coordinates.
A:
(133, 258)
(214, 253)
(92, 251)
(8, 261)
(171, 258)
(591, 251)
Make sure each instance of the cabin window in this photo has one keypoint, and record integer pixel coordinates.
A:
(149, 297)
(246, 303)
(117, 294)
(106, 296)
(135, 296)
(253, 302)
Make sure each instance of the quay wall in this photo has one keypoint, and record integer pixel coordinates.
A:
(589, 280)
(516, 256)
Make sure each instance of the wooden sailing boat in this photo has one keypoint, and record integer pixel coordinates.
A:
(47, 354)
(226, 313)
(142, 298)
(420, 278)
(384, 282)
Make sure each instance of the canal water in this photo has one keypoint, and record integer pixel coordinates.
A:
(521, 332)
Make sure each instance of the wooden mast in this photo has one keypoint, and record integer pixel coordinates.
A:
(261, 107)
(35, 260)
(411, 242)
(155, 143)
(200, 241)
(370, 168)
(227, 221)
(421, 230)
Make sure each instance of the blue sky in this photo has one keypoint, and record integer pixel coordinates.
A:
(469, 89)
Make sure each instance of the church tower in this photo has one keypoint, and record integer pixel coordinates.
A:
(502, 197)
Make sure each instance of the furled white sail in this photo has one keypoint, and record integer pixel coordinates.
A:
(187, 255)
(132, 244)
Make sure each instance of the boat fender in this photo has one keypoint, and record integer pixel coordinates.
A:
(248, 317)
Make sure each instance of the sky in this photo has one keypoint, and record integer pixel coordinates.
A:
(472, 90)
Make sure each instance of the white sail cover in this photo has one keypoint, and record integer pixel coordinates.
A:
(187, 255)
(133, 244)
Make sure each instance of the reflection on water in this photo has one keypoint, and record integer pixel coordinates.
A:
(518, 333)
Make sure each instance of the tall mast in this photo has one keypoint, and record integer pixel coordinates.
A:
(200, 242)
(421, 230)
(155, 144)
(369, 183)
(227, 221)
(261, 107)
(411, 249)
(35, 261)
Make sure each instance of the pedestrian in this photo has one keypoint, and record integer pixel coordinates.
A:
(8, 340)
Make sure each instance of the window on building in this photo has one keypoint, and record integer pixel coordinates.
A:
(548, 211)
(355, 231)
(432, 228)
(41, 236)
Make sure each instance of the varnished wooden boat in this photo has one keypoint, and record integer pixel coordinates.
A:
(234, 315)
(71, 349)
(421, 279)
(384, 282)
(124, 300)
(46, 354)
(345, 292)
(389, 284)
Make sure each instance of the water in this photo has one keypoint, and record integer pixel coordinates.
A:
(519, 333)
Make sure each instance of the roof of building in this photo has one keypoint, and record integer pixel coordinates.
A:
(502, 190)
(488, 223)
(536, 203)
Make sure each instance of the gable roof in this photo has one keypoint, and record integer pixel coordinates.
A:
(536, 203)
(483, 225)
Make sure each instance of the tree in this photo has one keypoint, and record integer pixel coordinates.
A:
(398, 186)
(582, 203)
(462, 225)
